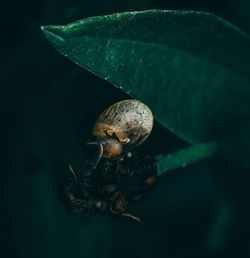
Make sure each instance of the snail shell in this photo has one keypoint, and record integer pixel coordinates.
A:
(130, 121)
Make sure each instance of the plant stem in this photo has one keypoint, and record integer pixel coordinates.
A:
(185, 156)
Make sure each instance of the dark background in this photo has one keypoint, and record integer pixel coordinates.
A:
(49, 105)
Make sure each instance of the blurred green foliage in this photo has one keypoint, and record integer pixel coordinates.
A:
(48, 108)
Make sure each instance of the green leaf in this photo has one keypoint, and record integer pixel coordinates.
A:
(185, 157)
(191, 68)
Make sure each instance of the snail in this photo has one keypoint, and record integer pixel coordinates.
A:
(120, 128)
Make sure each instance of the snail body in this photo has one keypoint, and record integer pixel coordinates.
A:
(122, 126)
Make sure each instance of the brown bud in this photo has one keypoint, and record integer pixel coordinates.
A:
(150, 181)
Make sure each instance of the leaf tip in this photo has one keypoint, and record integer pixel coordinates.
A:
(53, 35)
